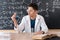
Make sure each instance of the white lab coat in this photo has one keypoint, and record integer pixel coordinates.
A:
(25, 24)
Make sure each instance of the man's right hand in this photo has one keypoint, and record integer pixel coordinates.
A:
(14, 19)
(13, 16)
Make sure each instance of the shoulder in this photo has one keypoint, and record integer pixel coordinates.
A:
(40, 16)
(25, 17)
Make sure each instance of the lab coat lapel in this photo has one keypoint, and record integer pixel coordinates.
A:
(29, 24)
(36, 22)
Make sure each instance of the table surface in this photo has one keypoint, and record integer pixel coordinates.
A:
(12, 35)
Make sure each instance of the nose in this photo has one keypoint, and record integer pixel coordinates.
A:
(27, 11)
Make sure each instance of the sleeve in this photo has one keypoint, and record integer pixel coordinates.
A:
(44, 27)
(20, 27)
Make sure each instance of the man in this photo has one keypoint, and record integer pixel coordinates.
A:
(31, 22)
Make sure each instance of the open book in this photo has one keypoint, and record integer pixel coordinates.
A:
(43, 36)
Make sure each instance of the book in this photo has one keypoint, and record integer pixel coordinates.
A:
(43, 36)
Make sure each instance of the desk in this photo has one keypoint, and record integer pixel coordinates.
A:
(12, 35)
(21, 36)
(15, 36)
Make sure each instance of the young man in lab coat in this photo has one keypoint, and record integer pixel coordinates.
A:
(31, 22)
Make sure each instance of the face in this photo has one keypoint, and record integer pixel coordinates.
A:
(31, 11)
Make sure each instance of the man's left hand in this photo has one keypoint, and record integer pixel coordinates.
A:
(40, 32)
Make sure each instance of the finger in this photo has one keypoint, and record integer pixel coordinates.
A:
(15, 14)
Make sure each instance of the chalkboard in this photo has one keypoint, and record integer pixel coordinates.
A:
(49, 9)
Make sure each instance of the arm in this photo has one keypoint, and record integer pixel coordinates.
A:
(17, 27)
(43, 26)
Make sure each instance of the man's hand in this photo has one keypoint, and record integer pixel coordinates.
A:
(13, 16)
(40, 32)
(14, 19)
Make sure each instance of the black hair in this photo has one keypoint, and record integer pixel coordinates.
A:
(33, 5)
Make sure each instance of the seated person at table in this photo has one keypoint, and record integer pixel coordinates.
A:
(31, 22)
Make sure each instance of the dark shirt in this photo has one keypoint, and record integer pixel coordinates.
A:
(32, 25)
